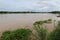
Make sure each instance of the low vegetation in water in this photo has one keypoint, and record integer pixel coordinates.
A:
(40, 33)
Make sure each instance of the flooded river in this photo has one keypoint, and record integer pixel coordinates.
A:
(14, 21)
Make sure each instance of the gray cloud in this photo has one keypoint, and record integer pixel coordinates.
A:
(30, 5)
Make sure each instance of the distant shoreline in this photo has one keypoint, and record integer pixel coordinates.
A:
(20, 12)
(11, 12)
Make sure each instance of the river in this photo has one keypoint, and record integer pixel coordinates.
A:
(14, 21)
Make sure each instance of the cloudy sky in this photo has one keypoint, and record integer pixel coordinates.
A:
(30, 5)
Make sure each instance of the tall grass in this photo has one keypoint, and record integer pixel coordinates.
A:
(55, 34)
(41, 32)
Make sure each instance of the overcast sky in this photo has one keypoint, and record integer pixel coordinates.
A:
(30, 5)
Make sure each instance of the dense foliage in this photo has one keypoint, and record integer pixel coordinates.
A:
(20, 34)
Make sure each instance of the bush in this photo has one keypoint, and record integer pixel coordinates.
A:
(5, 35)
(19, 34)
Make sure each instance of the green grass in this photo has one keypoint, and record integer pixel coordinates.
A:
(19, 34)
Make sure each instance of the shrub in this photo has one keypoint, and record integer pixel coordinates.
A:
(19, 34)
(22, 34)
(5, 35)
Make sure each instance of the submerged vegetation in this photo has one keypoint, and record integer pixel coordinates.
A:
(40, 33)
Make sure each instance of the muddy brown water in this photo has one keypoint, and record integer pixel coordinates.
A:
(15, 21)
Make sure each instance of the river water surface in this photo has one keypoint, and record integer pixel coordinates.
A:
(14, 21)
